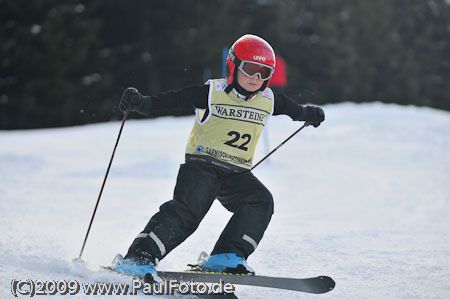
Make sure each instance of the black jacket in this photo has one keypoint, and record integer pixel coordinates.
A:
(196, 96)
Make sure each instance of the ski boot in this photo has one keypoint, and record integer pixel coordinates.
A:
(224, 263)
(137, 267)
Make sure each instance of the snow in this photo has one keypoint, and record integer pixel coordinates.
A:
(364, 198)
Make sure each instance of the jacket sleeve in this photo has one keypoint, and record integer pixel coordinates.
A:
(191, 97)
(284, 105)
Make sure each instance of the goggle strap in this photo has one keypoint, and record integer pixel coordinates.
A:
(234, 58)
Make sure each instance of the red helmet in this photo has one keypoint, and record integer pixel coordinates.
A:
(250, 48)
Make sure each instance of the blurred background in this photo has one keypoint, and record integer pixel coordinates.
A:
(67, 63)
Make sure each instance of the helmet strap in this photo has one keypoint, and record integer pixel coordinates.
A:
(230, 87)
(264, 86)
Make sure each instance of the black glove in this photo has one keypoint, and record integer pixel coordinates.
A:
(131, 100)
(312, 115)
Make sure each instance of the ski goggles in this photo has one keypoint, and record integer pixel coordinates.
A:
(251, 69)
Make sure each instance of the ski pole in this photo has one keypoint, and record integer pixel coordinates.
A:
(101, 189)
(281, 144)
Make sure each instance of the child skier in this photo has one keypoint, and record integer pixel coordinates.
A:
(230, 115)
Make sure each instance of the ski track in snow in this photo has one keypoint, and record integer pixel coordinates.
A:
(364, 198)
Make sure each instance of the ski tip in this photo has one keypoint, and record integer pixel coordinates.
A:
(328, 283)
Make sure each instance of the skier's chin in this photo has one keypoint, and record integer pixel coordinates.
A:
(251, 87)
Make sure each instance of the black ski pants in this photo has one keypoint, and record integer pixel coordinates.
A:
(198, 185)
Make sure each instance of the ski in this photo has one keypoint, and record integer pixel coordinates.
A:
(313, 285)
(172, 275)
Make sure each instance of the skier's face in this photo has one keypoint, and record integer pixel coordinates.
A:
(249, 83)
